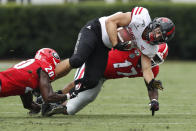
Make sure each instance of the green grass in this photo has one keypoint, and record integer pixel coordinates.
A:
(122, 105)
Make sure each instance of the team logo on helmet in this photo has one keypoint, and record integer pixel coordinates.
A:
(55, 55)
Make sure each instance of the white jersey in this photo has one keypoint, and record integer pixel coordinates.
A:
(140, 20)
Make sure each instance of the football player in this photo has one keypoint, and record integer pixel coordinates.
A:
(120, 64)
(98, 36)
(33, 75)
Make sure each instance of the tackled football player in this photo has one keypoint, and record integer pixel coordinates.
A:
(98, 36)
(32, 76)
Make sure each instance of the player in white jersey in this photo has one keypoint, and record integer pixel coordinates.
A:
(98, 36)
(146, 35)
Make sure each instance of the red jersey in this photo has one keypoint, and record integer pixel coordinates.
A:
(23, 77)
(125, 64)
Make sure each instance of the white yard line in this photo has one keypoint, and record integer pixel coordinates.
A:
(138, 123)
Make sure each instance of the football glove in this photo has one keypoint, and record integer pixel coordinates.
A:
(154, 106)
(155, 84)
(123, 46)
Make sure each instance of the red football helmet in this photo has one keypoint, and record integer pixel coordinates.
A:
(48, 55)
(161, 55)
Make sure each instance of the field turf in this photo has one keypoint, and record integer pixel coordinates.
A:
(122, 105)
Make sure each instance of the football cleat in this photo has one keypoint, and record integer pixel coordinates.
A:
(51, 109)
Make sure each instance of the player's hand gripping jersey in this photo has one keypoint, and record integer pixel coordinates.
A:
(140, 19)
(24, 77)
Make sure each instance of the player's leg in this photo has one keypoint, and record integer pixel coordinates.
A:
(82, 99)
(84, 47)
(92, 80)
(96, 59)
(72, 106)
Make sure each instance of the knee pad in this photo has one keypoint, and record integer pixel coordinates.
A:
(76, 61)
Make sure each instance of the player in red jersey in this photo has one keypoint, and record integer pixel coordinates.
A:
(120, 64)
(125, 64)
(33, 75)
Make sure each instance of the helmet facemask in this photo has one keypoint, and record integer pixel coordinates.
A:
(155, 36)
(166, 28)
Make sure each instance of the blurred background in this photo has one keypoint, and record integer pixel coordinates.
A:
(28, 25)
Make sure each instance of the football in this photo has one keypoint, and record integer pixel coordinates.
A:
(123, 34)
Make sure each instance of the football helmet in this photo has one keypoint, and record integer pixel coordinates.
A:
(48, 55)
(167, 29)
(160, 55)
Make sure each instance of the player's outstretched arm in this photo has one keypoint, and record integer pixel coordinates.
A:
(28, 103)
(49, 96)
(49, 110)
(66, 90)
(152, 84)
(62, 69)
(68, 87)
(146, 68)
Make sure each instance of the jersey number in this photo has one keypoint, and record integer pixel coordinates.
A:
(24, 64)
(50, 72)
(125, 64)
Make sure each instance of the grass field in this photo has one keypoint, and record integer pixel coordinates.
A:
(122, 105)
